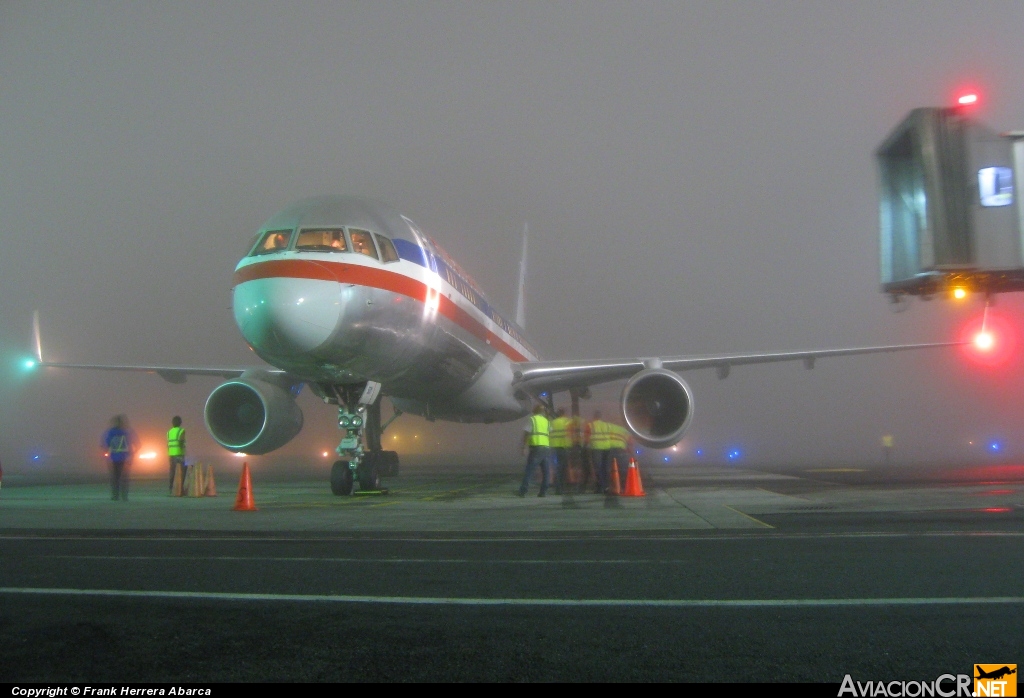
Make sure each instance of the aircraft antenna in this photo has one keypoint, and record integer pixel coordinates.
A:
(521, 298)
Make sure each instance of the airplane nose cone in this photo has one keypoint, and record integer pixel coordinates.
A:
(286, 317)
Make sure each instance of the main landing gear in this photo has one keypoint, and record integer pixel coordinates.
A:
(359, 417)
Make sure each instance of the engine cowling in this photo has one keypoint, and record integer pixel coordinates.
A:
(252, 416)
(658, 407)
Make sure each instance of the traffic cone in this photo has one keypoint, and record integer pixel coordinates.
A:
(634, 488)
(176, 487)
(244, 500)
(211, 484)
(614, 486)
(195, 485)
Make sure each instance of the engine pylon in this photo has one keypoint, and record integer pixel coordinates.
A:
(634, 488)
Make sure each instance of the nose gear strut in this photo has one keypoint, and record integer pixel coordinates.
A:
(359, 417)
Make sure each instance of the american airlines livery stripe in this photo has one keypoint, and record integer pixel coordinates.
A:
(383, 279)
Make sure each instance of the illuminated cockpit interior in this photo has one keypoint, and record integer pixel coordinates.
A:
(273, 241)
(333, 239)
(322, 240)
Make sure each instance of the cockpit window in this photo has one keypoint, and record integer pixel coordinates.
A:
(252, 243)
(273, 241)
(363, 243)
(322, 240)
(387, 249)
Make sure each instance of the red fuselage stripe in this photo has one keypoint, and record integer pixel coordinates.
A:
(375, 278)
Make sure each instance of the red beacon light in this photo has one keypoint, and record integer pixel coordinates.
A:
(967, 99)
(984, 340)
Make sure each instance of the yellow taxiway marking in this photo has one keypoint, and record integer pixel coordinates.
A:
(757, 521)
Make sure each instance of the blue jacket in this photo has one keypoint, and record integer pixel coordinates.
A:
(118, 443)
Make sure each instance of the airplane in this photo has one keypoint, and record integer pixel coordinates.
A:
(995, 674)
(349, 297)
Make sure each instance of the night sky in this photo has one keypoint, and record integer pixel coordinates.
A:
(697, 177)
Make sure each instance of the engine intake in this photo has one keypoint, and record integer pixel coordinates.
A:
(252, 416)
(658, 407)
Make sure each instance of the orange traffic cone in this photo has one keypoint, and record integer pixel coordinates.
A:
(211, 485)
(244, 500)
(176, 487)
(195, 485)
(634, 488)
(614, 486)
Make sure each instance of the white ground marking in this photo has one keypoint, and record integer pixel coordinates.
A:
(470, 601)
(606, 536)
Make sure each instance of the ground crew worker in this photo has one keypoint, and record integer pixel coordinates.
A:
(561, 442)
(537, 440)
(619, 438)
(600, 447)
(120, 443)
(176, 449)
(577, 453)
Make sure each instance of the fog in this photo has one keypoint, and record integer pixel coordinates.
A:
(697, 177)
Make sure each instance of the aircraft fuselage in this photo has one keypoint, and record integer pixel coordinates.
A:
(384, 304)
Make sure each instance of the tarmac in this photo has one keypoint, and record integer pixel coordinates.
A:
(718, 574)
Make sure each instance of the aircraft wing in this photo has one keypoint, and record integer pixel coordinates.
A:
(556, 376)
(171, 374)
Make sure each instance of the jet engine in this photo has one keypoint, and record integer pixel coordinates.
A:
(252, 415)
(658, 407)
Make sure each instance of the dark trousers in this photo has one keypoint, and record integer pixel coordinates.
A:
(589, 462)
(560, 462)
(176, 461)
(119, 480)
(602, 467)
(538, 456)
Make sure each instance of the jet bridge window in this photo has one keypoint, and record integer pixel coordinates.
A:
(273, 241)
(387, 249)
(363, 243)
(322, 240)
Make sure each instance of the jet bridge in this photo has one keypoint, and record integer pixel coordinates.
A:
(950, 218)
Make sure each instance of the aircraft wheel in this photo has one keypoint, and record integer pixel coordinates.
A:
(369, 472)
(388, 464)
(341, 478)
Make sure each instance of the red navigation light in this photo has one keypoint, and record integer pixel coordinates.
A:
(969, 98)
(984, 340)
(989, 340)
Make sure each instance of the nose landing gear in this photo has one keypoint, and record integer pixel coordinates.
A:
(359, 417)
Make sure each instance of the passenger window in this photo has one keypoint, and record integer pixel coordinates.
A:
(322, 240)
(363, 243)
(273, 241)
(387, 249)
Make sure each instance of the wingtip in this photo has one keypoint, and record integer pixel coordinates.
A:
(37, 342)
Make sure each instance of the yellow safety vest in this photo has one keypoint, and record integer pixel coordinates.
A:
(618, 437)
(560, 433)
(539, 433)
(599, 436)
(175, 437)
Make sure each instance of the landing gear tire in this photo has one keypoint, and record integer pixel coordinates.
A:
(369, 472)
(341, 478)
(388, 466)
